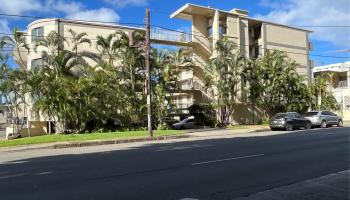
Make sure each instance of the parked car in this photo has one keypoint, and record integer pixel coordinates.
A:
(185, 124)
(324, 119)
(289, 121)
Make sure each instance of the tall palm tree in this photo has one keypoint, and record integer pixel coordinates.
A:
(108, 46)
(226, 67)
(53, 44)
(17, 42)
(78, 39)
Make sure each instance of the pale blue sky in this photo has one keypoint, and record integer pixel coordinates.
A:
(327, 40)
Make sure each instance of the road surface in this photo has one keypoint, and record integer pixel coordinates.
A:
(208, 169)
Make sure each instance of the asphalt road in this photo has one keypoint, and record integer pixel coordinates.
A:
(208, 169)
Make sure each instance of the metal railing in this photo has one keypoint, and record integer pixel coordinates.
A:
(190, 84)
(342, 84)
(172, 36)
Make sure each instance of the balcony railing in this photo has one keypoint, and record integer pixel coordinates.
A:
(189, 84)
(172, 36)
(341, 84)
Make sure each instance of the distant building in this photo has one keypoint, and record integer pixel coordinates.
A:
(338, 75)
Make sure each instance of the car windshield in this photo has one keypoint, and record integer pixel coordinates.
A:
(280, 115)
(309, 114)
(186, 120)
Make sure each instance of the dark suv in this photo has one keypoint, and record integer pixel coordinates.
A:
(289, 121)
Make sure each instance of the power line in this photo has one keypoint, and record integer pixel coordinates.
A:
(91, 21)
(133, 23)
(311, 26)
(177, 31)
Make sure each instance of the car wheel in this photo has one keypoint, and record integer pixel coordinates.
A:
(182, 128)
(340, 123)
(308, 126)
(273, 129)
(323, 124)
(289, 127)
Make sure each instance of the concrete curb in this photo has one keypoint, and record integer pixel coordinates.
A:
(115, 141)
(260, 130)
(60, 145)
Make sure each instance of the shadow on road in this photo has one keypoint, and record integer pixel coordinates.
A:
(166, 170)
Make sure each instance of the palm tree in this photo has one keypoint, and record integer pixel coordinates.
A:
(319, 90)
(108, 46)
(53, 42)
(252, 75)
(78, 39)
(18, 42)
(226, 67)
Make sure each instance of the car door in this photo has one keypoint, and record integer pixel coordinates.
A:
(334, 117)
(189, 123)
(325, 116)
(330, 117)
(299, 120)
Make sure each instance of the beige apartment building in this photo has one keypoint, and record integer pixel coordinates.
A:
(252, 36)
(209, 25)
(338, 77)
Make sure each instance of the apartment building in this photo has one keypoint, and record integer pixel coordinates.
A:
(209, 25)
(252, 36)
(338, 77)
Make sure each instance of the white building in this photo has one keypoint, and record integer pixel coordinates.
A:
(338, 75)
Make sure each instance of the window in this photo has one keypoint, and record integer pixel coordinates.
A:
(291, 115)
(210, 31)
(280, 115)
(310, 114)
(36, 63)
(297, 115)
(333, 114)
(37, 33)
(222, 30)
(326, 113)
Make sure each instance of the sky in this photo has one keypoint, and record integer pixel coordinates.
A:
(329, 19)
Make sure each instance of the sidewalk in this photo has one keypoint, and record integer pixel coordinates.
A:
(245, 130)
(329, 187)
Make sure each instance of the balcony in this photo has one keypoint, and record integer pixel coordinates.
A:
(168, 37)
(190, 84)
(341, 84)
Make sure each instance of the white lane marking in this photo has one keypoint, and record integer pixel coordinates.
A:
(43, 173)
(189, 199)
(183, 147)
(227, 159)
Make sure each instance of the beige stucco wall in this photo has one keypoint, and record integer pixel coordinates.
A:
(200, 26)
(243, 37)
(294, 42)
(48, 25)
(92, 31)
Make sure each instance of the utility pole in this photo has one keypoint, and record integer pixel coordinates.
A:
(148, 74)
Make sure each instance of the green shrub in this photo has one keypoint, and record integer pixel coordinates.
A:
(162, 126)
(204, 114)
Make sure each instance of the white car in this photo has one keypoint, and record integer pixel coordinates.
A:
(187, 123)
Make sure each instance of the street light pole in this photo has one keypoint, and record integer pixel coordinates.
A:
(148, 74)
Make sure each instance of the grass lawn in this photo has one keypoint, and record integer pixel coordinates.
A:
(85, 137)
